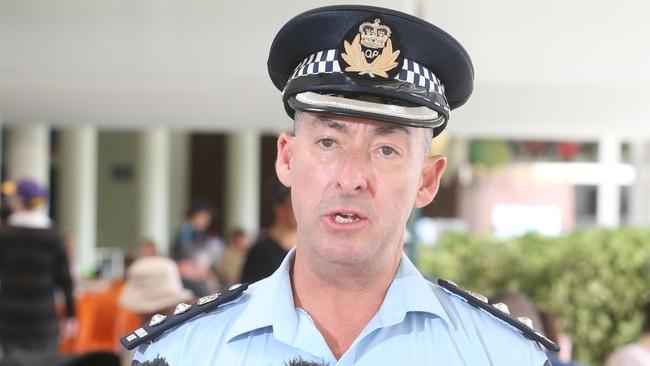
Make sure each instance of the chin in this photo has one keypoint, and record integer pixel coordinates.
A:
(343, 253)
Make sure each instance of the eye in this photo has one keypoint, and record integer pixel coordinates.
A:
(387, 151)
(326, 142)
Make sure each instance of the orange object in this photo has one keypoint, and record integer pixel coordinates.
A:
(96, 315)
(126, 322)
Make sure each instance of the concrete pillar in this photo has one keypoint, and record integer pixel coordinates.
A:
(639, 197)
(413, 7)
(2, 178)
(28, 153)
(78, 192)
(153, 186)
(608, 212)
(179, 178)
(243, 180)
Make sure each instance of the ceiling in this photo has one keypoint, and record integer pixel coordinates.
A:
(553, 69)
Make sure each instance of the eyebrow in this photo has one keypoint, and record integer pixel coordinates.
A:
(329, 123)
(388, 130)
(381, 130)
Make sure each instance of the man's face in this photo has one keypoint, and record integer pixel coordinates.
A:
(201, 220)
(353, 185)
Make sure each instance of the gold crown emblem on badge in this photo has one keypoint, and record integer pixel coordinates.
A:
(374, 35)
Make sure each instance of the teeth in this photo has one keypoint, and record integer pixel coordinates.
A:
(345, 218)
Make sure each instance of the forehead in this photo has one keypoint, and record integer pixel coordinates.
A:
(347, 123)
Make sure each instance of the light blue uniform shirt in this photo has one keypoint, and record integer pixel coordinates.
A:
(418, 323)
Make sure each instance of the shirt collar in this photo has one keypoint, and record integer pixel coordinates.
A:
(409, 292)
(271, 302)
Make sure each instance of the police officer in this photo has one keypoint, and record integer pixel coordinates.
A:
(367, 89)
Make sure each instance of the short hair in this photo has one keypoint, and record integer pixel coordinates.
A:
(190, 252)
(201, 205)
(298, 361)
(237, 232)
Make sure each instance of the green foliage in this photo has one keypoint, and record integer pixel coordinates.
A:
(489, 153)
(595, 281)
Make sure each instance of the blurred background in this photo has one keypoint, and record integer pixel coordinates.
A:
(134, 114)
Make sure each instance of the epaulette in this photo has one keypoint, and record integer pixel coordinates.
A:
(183, 312)
(500, 311)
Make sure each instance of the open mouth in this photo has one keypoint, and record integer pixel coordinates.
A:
(345, 217)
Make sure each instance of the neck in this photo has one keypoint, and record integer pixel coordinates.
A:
(347, 299)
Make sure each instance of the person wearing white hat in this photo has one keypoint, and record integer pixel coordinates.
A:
(153, 285)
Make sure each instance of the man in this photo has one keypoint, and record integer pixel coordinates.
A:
(193, 233)
(230, 265)
(153, 284)
(269, 251)
(195, 271)
(359, 83)
(33, 264)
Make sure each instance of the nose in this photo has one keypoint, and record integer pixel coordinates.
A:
(354, 173)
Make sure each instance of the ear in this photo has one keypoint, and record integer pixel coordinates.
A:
(432, 171)
(283, 160)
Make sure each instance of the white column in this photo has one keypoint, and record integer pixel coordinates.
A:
(243, 185)
(153, 186)
(639, 197)
(179, 174)
(28, 153)
(2, 178)
(609, 193)
(78, 192)
(413, 7)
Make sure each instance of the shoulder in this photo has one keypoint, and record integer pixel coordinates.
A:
(472, 312)
(209, 312)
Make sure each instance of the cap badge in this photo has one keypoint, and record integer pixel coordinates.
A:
(371, 50)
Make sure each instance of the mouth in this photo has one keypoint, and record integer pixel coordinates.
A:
(345, 217)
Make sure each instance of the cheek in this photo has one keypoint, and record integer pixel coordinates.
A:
(311, 181)
(399, 190)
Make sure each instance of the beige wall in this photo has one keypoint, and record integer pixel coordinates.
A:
(117, 198)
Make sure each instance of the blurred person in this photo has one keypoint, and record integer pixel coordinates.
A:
(357, 163)
(194, 268)
(268, 252)
(637, 353)
(7, 189)
(194, 233)
(153, 286)
(33, 265)
(553, 331)
(230, 265)
(519, 305)
(146, 248)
